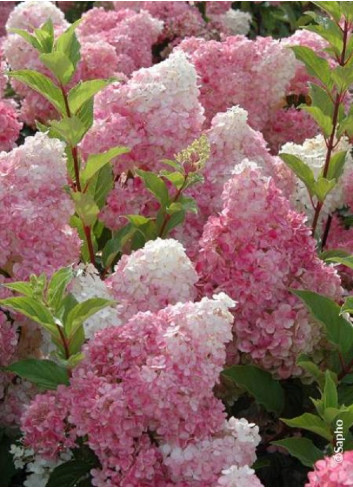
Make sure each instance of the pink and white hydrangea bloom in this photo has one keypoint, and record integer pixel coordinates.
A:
(35, 209)
(143, 397)
(156, 114)
(131, 34)
(259, 239)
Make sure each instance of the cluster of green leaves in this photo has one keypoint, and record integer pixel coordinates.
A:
(50, 305)
(327, 97)
(74, 104)
(168, 187)
(280, 20)
(335, 384)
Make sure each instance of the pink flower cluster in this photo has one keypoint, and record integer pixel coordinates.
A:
(9, 125)
(143, 398)
(238, 71)
(35, 209)
(156, 114)
(183, 19)
(231, 140)
(330, 473)
(255, 251)
(129, 33)
(5, 9)
(257, 75)
(8, 344)
(179, 18)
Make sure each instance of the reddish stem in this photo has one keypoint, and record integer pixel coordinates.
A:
(64, 342)
(167, 217)
(87, 229)
(330, 143)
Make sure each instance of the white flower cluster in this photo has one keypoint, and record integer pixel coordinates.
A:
(313, 153)
(38, 468)
(87, 285)
(30, 15)
(153, 277)
(235, 22)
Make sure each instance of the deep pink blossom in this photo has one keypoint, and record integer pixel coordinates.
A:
(329, 472)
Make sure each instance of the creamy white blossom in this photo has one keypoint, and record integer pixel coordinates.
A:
(153, 277)
(313, 153)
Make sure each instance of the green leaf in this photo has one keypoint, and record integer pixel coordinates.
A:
(45, 35)
(137, 220)
(301, 448)
(115, 245)
(23, 288)
(85, 114)
(188, 204)
(32, 40)
(67, 304)
(339, 331)
(86, 208)
(192, 179)
(342, 76)
(175, 177)
(98, 161)
(348, 303)
(174, 221)
(43, 373)
(43, 85)
(315, 65)
(174, 164)
(101, 184)
(329, 397)
(155, 185)
(322, 120)
(320, 98)
(345, 394)
(259, 384)
(76, 341)
(332, 8)
(346, 416)
(32, 309)
(310, 422)
(301, 169)
(334, 255)
(69, 474)
(71, 129)
(346, 126)
(57, 286)
(67, 43)
(347, 10)
(322, 187)
(330, 31)
(84, 91)
(59, 64)
(304, 362)
(83, 311)
(336, 166)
